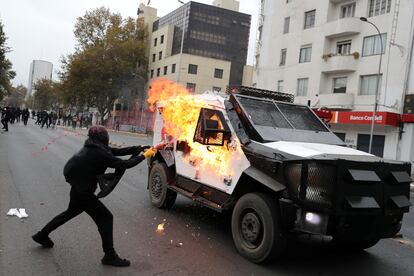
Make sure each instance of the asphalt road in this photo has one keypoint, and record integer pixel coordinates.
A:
(196, 240)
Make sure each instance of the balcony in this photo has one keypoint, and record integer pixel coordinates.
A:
(338, 1)
(340, 64)
(343, 27)
(336, 101)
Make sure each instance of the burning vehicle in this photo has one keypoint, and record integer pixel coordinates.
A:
(276, 166)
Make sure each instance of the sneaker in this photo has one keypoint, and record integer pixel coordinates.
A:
(114, 260)
(45, 241)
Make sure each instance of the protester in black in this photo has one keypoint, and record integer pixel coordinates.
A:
(5, 118)
(81, 172)
(25, 116)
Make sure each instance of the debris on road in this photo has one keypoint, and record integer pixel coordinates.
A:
(160, 228)
(20, 213)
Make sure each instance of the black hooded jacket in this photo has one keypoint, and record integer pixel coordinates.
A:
(93, 159)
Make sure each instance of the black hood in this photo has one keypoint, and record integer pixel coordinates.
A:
(94, 143)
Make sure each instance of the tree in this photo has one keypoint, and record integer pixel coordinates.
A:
(111, 52)
(47, 95)
(16, 96)
(6, 74)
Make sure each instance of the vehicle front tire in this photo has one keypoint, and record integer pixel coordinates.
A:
(158, 180)
(256, 228)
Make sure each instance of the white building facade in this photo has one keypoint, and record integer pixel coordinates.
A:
(323, 53)
(39, 69)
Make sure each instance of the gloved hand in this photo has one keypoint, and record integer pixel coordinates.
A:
(139, 149)
(150, 152)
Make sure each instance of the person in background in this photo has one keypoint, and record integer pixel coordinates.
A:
(5, 118)
(81, 172)
(25, 116)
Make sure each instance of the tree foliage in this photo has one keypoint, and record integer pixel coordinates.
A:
(6, 74)
(110, 52)
(16, 96)
(48, 95)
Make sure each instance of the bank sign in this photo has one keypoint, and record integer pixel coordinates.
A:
(365, 118)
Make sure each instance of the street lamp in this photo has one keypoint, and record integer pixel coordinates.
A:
(364, 19)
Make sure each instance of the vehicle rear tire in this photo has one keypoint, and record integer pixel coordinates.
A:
(256, 228)
(158, 180)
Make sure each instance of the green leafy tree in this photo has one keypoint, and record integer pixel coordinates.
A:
(111, 52)
(6, 74)
(47, 95)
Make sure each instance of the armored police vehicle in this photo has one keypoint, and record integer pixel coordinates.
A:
(287, 173)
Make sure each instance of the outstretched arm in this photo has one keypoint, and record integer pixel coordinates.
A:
(135, 150)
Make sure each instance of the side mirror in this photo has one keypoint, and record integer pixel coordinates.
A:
(211, 128)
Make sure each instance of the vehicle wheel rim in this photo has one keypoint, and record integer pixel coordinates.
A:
(251, 229)
(156, 186)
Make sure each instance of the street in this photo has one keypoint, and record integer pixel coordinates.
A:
(196, 240)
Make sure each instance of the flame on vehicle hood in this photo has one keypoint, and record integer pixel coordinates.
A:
(180, 110)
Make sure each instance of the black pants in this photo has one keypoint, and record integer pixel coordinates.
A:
(5, 124)
(95, 209)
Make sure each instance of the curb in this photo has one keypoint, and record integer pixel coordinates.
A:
(108, 129)
(128, 133)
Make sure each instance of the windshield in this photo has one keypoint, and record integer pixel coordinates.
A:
(281, 115)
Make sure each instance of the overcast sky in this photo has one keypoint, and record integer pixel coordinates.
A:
(43, 29)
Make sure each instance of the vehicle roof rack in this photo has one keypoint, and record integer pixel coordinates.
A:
(260, 93)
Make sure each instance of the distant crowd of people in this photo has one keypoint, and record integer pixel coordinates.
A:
(48, 119)
(12, 115)
(51, 119)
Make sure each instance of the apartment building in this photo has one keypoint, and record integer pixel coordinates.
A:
(202, 47)
(323, 53)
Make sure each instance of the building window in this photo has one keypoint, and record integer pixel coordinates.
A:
(155, 42)
(348, 10)
(160, 55)
(162, 39)
(286, 25)
(378, 7)
(216, 89)
(369, 84)
(165, 70)
(283, 53)
(218, 73)
(343, 47)
(173, 69)
(192, 69)
(372, 45)
(152, 73)
(279, 86)
(305, 53)
(158, 72)
(153, 57)
(339, 85)
(340, 135)
(378, 142)
(302, 87)
(191, 87)
(309, 19)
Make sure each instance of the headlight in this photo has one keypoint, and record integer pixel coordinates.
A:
(311, 182)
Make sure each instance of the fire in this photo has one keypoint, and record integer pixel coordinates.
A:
(180, 114)
(160, 228)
